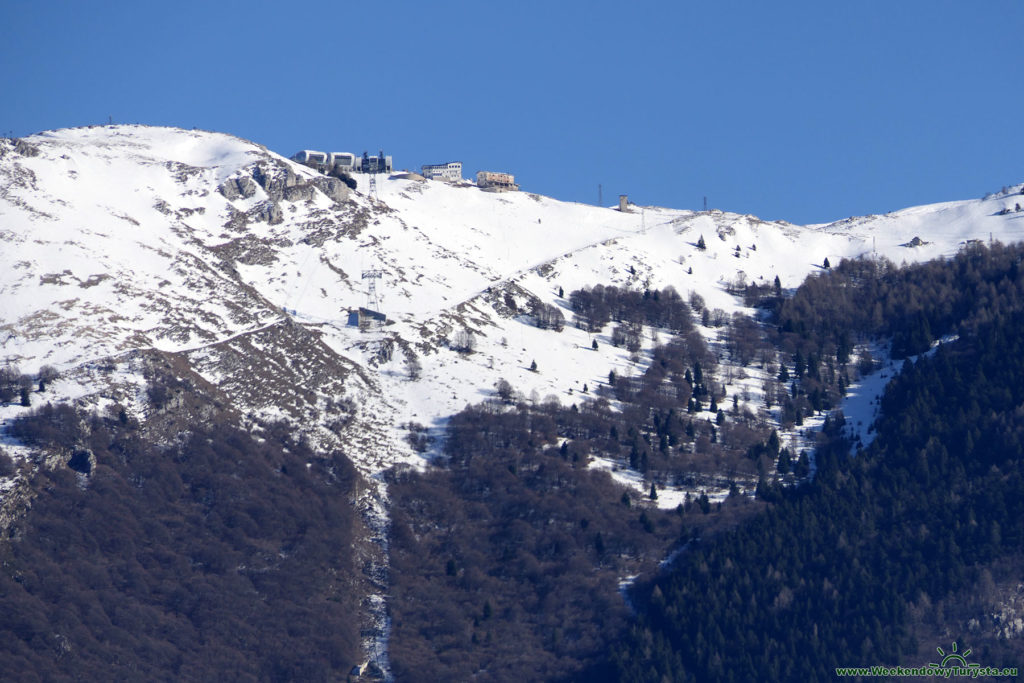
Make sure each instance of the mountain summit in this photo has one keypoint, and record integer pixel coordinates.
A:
(130, 238)
(151, 266)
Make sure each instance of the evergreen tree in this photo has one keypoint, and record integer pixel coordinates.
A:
(785, 462)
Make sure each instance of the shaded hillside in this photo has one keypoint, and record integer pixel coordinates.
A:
(216, 557)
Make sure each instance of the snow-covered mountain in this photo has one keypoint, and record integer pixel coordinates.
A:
(122, 239)
(139, 260)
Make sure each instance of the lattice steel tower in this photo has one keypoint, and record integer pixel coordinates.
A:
(372, 301)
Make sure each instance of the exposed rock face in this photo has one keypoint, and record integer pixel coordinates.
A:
(280, 183)
(237, 188)
(334, 188)
(237, 220)
(269, 212)
(15, 502)
(274, 179)
(299, 193)
(25, 149)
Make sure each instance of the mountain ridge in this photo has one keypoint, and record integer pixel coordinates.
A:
(146, 262)
(130, 237)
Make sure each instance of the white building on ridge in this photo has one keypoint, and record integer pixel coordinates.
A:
(451, 171)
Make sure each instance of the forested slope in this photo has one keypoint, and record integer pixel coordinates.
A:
(216, 557)
(837, 571)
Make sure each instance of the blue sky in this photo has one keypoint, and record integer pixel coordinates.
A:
(803, 111)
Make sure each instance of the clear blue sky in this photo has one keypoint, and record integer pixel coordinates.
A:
(803, 111)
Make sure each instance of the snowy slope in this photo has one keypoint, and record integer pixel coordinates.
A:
(131, 252)
(103, 244)
(123, 237)
(652, 247)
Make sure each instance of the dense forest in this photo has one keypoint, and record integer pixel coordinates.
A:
(506, 560)
(217, 557)
(843, 571)
(872, 298)
(506, 563)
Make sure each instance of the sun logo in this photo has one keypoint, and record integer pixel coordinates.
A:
(954, 658)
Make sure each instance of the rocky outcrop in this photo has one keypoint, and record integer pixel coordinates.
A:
(25, 149)
(237, 220)
(242, 187)
(274, 179)
(17, 146)
(335, 188)
(299, 193)
(269, 212)
(14, 504)
(280, 183)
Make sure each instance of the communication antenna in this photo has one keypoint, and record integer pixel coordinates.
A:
(705, 203)
(372, 301)
(600, 197)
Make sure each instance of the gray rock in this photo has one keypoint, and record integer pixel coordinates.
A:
(274, 179)
(236, 220)
(246, 186)
(25, 149)
(334, 188)
(270, 212)
(299, 193)
(229, 188)
(234, 188)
